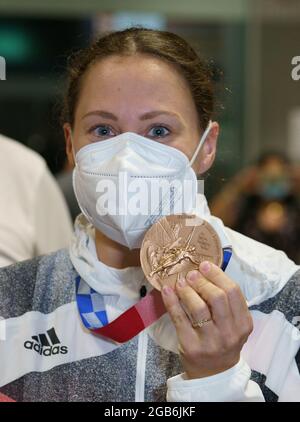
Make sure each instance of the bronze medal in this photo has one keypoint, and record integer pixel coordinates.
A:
(175, 245)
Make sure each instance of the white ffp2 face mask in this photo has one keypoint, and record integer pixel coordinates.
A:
(126, 183)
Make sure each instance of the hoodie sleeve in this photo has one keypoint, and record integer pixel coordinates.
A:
(233, 385)
(277, 338)
(272, 352)
(291, 386)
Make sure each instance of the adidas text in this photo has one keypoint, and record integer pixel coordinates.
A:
(46, 351)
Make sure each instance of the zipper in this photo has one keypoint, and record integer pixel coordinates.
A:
(141, 366)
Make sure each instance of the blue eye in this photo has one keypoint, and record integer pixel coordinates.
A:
(102, 131)
(159, 132)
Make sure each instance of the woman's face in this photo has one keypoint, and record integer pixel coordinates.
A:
(140, 94)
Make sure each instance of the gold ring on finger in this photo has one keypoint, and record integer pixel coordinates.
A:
(199, 324)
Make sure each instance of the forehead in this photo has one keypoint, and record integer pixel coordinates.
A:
(140, 81)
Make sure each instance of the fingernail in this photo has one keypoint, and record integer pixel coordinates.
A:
(205, 267)
(166, 290)
(181, 283)
(192, 275)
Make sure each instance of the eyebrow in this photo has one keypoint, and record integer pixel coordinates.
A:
(145, 116)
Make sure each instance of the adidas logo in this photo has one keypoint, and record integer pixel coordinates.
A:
(46, 344)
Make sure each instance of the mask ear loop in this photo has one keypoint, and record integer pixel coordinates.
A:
(73, 151)
(202, 140)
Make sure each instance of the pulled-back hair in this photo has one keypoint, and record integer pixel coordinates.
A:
(160, 44)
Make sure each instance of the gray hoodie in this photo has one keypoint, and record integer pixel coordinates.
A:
(47, 355)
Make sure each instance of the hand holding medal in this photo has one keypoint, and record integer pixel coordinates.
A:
(181, 255)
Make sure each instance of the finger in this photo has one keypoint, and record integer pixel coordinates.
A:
(234, 294)
(214, 297)
(184, 329)
(193, 304)
(241, 315)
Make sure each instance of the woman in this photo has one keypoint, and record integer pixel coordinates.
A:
(138, 102)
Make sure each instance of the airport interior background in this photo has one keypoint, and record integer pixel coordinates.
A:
(250, 45)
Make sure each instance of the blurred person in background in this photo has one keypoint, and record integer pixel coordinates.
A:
(34, 218)
(142, 101)
(263, 202)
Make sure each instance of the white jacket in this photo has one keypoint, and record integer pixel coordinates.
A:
(34, 218)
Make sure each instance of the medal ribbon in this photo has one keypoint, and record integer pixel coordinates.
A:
(131, 322)
(4, 398)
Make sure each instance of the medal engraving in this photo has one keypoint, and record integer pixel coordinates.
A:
(176, 244)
